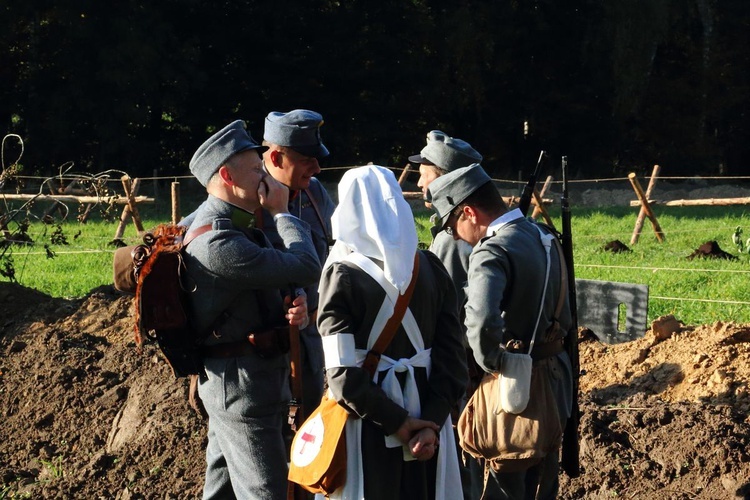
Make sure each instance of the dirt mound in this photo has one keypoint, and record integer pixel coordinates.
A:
(711, 250)
(86, 416)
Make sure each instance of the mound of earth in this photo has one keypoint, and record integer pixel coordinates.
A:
(85, 415)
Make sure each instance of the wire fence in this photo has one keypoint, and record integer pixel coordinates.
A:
(622, 182)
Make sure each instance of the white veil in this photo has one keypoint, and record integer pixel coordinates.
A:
(374, 219)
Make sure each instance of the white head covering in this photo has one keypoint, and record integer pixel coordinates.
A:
(374, 219)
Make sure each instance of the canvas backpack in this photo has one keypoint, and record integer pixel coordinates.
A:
(154, 273)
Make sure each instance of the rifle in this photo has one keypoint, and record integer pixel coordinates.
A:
(570, 447)
(296, 415)
(296, 409)
(528, 191)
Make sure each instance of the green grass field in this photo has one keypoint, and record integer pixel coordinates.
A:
(696, 291)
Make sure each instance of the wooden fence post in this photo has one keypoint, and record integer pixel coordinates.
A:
(404, 174)
(645, 206)
(176, 202)
(642, 213)
(538, 207)
(130, 210)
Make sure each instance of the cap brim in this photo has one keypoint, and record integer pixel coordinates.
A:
(420, 159)
(442, 221)
(318, 151)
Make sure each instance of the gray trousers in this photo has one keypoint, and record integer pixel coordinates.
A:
(245, 455)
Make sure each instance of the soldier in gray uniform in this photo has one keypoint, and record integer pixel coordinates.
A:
(237, 277)
(294, 149)
(443, 154)
(506, 282)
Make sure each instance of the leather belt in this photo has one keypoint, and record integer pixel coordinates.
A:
(235, 349)
(265, 344)
(547, 350)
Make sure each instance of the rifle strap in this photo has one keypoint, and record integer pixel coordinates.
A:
(259, 216)
(563, 278)
(319, 215)
(372, 359)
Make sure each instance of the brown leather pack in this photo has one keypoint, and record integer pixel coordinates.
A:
(153, 272)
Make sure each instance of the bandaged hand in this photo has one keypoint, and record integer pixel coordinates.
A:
(296, 309)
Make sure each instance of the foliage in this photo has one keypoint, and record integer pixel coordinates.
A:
(137, 85)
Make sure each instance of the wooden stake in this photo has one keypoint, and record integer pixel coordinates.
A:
(176, 202)
(404, 174)
(644, 203)
(642, 213)
(540, 206)
(156, 185)
(130, 210)
(537, 206)
(130, 193)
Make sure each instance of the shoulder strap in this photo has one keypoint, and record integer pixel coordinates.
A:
(194, 233)
(389, 330)
(320, 217)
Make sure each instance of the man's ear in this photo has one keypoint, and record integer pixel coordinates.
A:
(275, 156)
(226, 175)
(473, 214)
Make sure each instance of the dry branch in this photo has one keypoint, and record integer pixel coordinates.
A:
(72, 198)
(696, 203)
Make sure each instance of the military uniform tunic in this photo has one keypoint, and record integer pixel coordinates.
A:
(237, 277)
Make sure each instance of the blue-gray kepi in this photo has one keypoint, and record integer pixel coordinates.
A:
(218, 148)
(446, 152)
(298, 129)
(450, 190)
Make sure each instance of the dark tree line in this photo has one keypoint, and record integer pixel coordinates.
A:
(613, 85)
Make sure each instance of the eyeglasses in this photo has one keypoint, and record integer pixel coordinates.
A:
(450, 224)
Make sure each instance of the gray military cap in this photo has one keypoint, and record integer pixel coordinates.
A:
(446, 152)
(218, 148)
(450, 190)
(298, 129)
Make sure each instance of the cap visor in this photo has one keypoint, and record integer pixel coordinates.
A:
(420, 159)
(319, 151)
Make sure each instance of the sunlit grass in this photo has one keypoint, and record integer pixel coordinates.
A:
(696, 291)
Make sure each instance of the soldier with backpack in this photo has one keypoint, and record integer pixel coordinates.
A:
(293, 150)
(237, 276)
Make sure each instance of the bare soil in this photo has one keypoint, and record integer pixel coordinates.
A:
(85, 415)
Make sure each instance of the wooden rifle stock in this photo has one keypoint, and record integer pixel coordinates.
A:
(570, 446)
(528, 191)
(296, 405)
(296, 415)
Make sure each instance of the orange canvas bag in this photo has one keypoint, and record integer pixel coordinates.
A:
(318, 456)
